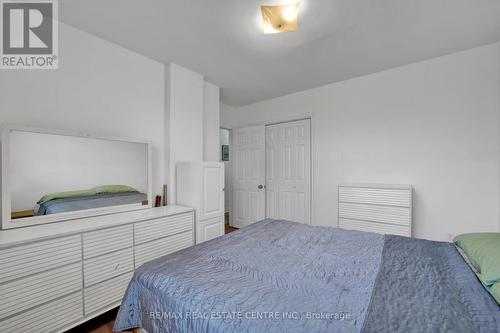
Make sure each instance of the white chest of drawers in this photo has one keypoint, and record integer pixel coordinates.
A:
(385, 209)
(56, 276)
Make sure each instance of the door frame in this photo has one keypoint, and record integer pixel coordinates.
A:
(312, 119)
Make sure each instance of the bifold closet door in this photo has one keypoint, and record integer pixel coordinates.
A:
(248, 175)
(288, 171)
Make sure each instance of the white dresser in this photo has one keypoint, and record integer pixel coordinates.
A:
(385, 209)
(201, 185)
(56, 276)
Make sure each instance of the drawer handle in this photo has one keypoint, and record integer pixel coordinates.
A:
(116, 268)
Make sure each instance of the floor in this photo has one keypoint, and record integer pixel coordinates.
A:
(229, 229)
(104, 323)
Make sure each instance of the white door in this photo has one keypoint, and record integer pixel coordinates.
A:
(288, 176)
(272, 171)
(212, 203)
(248, 175)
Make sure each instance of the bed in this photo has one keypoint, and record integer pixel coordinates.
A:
(280, 276)
(99, 200)
(96, 197)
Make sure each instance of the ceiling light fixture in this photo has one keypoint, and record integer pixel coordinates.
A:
(280, 18)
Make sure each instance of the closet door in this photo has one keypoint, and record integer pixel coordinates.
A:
(248, 175)
(288, 165)
(273, 151)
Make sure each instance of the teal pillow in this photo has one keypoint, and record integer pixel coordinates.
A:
(113, 189)
(64, 195)
(483, 251)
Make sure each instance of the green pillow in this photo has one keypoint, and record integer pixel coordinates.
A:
(64, 195)
(113, 189)
(483, 251)
(495, 291)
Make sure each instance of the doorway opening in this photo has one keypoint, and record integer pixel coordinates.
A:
(226, 158)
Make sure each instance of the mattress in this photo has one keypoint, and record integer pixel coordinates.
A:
(280, 276)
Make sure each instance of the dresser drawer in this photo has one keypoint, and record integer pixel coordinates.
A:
(107, 266)
(163, 227)
(374, 213)
(375, 196)
(46, 318)
(22, 294)
(106, 293)
(161, 247)
(23, 260)
(103, 241)
(381, 228)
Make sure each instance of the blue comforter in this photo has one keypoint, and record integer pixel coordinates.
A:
(279, 276)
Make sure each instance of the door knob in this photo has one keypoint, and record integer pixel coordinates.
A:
(260, 187)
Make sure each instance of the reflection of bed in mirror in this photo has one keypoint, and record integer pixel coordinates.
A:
(50, 176)
(67, 201)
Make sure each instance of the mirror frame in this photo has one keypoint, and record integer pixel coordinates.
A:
(6, 207)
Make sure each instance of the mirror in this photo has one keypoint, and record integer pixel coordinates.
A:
(50, 176)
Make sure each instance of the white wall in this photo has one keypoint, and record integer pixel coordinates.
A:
(211, 122)
(224, 137)
(228, 117)
(433, 124)
(99, 88)
(183, 120)
(104, 89)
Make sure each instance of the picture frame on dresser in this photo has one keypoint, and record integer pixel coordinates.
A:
(19, 154)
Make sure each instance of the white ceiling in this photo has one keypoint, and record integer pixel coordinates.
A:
(337, 39)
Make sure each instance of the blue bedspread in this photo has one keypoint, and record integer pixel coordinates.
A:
(90, 201)
(279, 276)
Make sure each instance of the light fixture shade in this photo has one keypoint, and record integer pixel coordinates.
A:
(280, 18)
